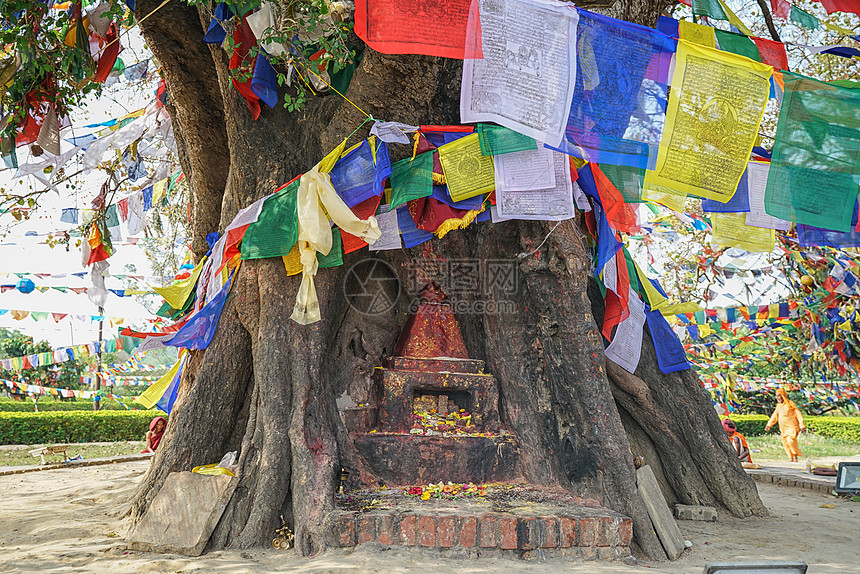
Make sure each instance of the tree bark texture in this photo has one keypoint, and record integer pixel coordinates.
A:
(267, 387)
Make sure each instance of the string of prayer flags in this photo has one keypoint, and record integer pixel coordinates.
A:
(424, 27)
(526, 78)
(731, 230)
(617, 108)
(814, 171)
(715, 109)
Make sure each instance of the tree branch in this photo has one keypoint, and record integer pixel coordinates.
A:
(768, 20)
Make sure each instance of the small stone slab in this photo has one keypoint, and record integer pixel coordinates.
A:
(183, 514)
(693, 512)
(658, 509)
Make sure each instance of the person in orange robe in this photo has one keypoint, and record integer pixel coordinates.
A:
(739, 441)
(790, 422)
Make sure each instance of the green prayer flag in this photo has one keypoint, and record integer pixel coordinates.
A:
(496, 140)
(737, 44)
(411, 179)
(814, 172)
(709, 8)
(804, 19)
(628, 180)
(335, 255)
(277, 229)
(111, 217)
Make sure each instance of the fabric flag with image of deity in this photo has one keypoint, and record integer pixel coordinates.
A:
(618, 106)
(526, 77)
(715, 109)
(814, 170)
(424, 27)
(467, 172)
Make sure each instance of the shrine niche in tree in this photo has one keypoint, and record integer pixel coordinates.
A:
(436, 416)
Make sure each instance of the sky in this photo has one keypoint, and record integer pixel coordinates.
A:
(21, 252)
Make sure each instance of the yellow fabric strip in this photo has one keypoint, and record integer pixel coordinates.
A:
(177, 294)
(152, 395)
(457, 223)
(734, 20)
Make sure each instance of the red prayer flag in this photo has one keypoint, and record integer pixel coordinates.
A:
(852, 6)
(780, 8)
(619, 214)
(108, 55)
(362, 211)
(426, 27)
(244, 40)
(772, 53)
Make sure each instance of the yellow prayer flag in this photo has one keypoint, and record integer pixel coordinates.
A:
(731, 230)
(734, 20)
(697, 33)
(715, 109)
(152, 395)
(664, 196)
(467, 172)
(158, 190)
(177, 294)
(293, 261)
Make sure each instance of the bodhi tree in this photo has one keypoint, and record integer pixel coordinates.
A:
(267, 386)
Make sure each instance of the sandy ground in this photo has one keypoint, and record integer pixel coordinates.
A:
(67, 520)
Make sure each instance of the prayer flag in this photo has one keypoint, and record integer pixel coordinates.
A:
(526, 78)
(671, 356)
(498, 140)
(467, 172)
(715, 109)
(739, 202)
(814, 172)
(802, 18)
(358, 175)
(618, 106)
(697, 33)
(411, 179)
(414, 26)
(277, 227)
(731, 230)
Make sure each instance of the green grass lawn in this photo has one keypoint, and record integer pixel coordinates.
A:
(812, 445)
(21, 456)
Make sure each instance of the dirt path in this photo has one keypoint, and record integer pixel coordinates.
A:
(67, 520)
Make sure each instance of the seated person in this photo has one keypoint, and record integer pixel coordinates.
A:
(154, 434)
(739, 441)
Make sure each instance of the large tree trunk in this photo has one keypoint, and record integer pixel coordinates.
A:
(267, 386)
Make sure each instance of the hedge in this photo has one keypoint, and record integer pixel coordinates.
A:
(74, 426)
(51, 405)
(843, 428)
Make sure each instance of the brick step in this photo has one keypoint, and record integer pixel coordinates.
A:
(587, 531)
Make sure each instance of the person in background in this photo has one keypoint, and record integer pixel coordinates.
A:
(739, 441)
(790, 422)
(154, 434)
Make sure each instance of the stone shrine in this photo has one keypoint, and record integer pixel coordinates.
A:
(435, 412)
